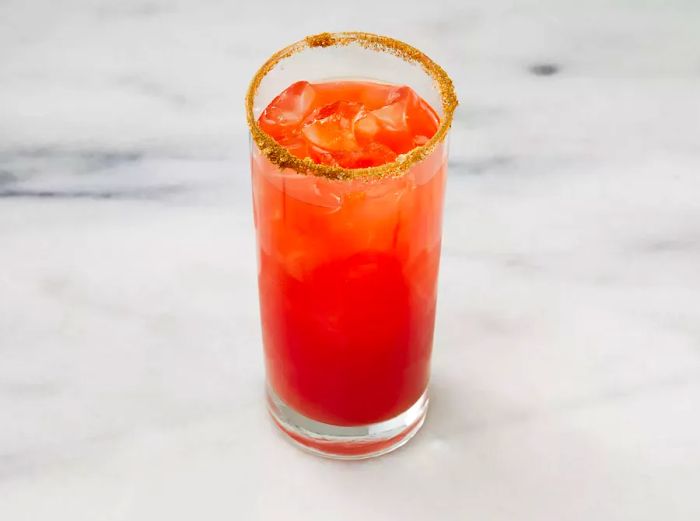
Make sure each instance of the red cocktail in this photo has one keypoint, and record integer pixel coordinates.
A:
(348, 183)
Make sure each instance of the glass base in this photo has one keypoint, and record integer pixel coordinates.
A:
(347, 443)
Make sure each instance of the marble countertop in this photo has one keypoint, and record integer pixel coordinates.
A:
(566, 379)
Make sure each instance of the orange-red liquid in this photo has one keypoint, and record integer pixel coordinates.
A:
(348, 269)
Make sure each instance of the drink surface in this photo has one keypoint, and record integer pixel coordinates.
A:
(349, 123)
(348, 269)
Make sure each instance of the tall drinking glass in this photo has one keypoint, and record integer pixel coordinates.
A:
(348, 259)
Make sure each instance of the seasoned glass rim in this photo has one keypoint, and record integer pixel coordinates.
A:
(282, 158)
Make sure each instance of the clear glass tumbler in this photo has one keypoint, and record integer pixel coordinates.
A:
(348, 259)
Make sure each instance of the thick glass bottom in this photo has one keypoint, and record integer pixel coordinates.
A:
(348, 443)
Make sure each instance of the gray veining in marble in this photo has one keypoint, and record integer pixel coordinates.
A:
(566, 380)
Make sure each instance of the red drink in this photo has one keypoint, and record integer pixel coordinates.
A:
(348, 269)
(348, 184)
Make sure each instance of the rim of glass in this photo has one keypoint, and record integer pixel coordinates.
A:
(284, 159)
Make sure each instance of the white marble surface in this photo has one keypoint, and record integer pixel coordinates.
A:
(566, 378)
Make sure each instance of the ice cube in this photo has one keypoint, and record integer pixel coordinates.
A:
(366, 127)
(392, 117)
(331, 126)
(296, 144)
(421, 119)
(289, 108)
(387, 126)
(373, 154)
